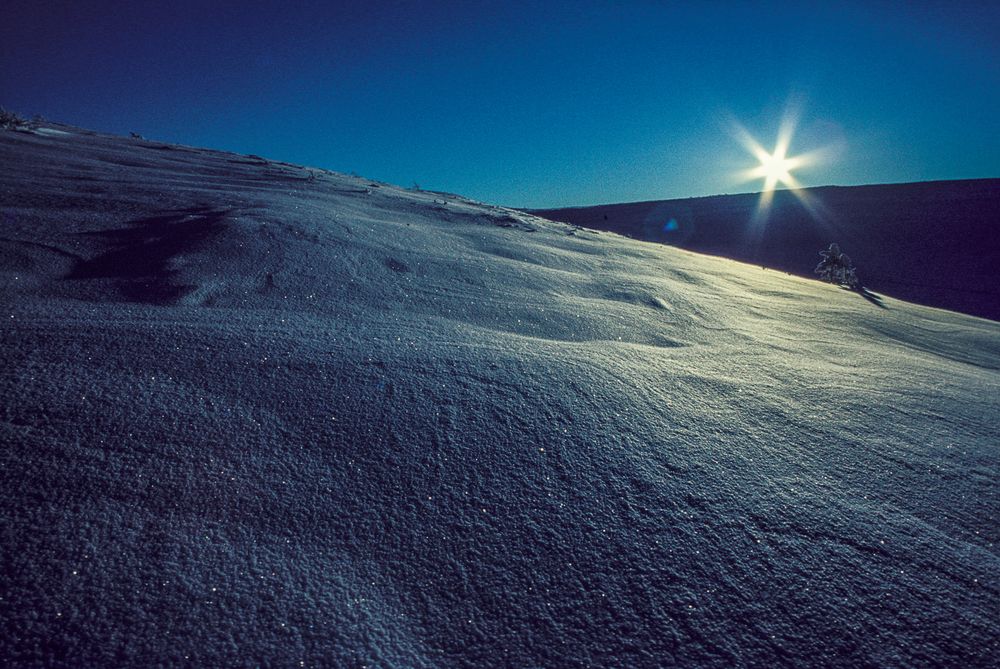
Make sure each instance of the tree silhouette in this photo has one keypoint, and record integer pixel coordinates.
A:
(836, 267)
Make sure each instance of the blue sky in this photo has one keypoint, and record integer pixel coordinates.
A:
(528, 104)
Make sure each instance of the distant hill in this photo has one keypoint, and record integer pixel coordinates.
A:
(935, 243)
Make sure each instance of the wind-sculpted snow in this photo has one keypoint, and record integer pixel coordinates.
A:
(261, 415)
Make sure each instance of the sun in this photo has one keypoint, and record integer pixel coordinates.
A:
(776, 167)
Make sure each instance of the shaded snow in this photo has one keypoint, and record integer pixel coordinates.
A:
(255, 413)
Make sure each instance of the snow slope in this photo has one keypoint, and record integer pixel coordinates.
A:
(259, 414)
(935, 243)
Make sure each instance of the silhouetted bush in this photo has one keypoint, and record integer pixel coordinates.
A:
(11, 121)
(836, 267)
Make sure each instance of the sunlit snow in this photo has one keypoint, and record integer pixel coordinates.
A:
(255, 413)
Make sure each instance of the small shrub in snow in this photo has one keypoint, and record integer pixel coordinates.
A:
(11, 121)
(836, 267)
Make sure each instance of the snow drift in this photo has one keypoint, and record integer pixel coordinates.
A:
(259, 414)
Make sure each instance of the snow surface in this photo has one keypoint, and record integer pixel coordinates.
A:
(259, 414)
(51, 132)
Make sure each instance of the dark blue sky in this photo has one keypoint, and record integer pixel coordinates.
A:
(529, 104)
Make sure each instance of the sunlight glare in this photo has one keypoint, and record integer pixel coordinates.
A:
(776, 167)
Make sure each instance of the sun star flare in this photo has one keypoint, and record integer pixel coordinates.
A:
(776, 167)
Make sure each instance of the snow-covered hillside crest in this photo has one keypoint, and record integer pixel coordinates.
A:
(258, 413)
